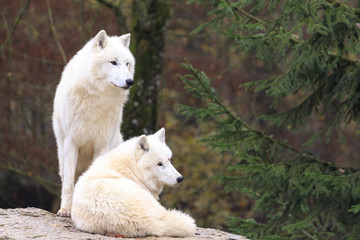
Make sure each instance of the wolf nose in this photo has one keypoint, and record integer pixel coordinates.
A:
(179, 179)
(129, 82)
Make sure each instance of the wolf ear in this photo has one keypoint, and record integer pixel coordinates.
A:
(101, 39)
(143, 143)
(160, 135)
(125, 39)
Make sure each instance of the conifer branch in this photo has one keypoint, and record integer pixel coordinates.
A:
(270, 138)
(311, 198)
(309, 235)
(215, 100)
(250, 16)
(294, 38)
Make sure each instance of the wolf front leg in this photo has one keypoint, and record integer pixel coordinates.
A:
(70, 157)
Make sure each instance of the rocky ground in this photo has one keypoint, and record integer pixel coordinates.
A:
(34, 223)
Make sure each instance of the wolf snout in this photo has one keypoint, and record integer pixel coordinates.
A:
(180, 179)
(129, 82)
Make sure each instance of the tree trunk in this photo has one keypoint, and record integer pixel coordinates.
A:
(148, 40)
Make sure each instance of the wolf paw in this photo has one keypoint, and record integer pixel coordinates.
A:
(63, 212)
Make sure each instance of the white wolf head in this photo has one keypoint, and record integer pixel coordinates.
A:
(111, 59)
(154, 162)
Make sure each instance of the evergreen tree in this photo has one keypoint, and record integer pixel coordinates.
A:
(317, 42)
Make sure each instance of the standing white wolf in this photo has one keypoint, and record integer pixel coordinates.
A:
(88, 107)
(118, 194)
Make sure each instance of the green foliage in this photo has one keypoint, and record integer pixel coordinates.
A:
(316, 42)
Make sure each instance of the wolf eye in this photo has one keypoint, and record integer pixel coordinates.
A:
(160, 164)
(113, 63)
(127, 64)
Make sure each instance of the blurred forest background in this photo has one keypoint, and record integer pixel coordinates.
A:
(38, 37)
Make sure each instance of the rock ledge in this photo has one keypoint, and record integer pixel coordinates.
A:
(34, 223)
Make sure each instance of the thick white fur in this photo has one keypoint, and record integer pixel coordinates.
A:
(88, 107)
(118, 193)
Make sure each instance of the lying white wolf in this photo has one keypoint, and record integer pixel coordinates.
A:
(88, 107)
(118, 193)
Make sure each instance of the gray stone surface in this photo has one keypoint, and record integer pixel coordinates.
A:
(34, 223)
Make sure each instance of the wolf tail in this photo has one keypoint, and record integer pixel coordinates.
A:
(178, 224)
